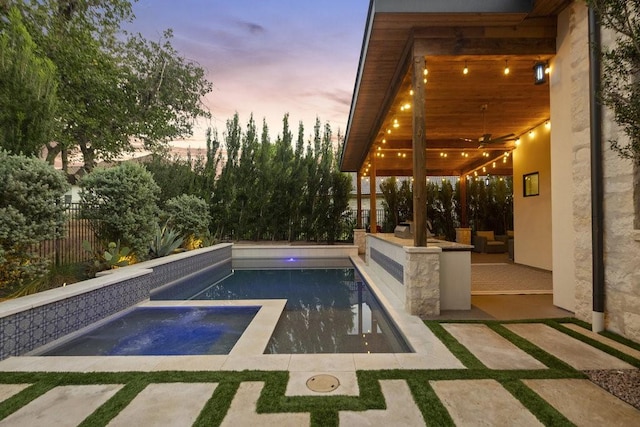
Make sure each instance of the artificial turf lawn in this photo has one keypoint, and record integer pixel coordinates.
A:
(324, 409)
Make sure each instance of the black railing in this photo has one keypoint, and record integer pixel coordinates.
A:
(68, 248)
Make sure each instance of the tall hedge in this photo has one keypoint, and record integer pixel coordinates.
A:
(30, 212)
(121, 205)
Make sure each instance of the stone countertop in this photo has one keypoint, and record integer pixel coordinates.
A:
(434, 243)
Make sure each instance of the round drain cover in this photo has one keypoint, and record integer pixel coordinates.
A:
(323, 383)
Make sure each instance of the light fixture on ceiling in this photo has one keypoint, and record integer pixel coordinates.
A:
(465, 70)
(506, 67)
(517, 141)
(396, 124)
(540, 77)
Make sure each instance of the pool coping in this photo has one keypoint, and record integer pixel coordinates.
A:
(429, 351)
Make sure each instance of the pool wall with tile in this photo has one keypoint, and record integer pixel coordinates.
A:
(30, 322)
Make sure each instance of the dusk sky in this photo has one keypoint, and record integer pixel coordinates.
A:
(266, 57)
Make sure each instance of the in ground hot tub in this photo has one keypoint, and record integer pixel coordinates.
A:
(168, 330)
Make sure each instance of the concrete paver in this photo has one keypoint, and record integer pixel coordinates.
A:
(482, 403)
(8, 390)
(401, 409)
(242, 411)
(62, 406)
(611, 343)
(584, 403)
(171, 404)
(494, 351)
(577, 354)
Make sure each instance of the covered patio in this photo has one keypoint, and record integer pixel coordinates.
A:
(445, 89)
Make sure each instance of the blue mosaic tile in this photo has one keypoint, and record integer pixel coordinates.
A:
(30, 329)
(395, 269)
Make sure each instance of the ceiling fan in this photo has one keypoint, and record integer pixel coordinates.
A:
(485, 138)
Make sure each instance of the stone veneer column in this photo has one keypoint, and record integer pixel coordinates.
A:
(422, 280)
(360, 240)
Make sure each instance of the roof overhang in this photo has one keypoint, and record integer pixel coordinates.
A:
(448, 34)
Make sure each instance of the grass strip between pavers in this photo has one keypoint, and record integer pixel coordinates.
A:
(113, 406)
(459, 351)
(324, 410)
(543, 411)
(597, 344)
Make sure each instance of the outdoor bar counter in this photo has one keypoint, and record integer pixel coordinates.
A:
(392, 256)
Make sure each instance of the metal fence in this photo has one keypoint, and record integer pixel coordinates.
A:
(351, 215)
(68, 249)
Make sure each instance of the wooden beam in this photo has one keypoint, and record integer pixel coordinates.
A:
(493, 157)
(390, 95)
(419, 153)
(464, 222)
(373, 214)
(480, 46)
(358, 200)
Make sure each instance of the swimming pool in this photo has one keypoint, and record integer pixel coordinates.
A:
(328, 309)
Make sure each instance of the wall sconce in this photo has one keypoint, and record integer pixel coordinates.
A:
(540, 76)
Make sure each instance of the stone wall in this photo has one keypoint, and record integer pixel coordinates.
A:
(621, 239)
(580, 129)
(422, 281)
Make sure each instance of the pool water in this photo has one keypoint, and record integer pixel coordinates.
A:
(328, 310)
(163, 331)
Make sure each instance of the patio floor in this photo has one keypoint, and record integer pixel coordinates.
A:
(513, 374)
(484, 371)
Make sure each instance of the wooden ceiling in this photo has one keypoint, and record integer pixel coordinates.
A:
(455, 121)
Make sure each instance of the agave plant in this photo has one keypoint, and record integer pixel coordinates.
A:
(165, 242)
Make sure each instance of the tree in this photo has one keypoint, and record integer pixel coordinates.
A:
(30, 212)
(28, 88)
(120, 203)
(621, 64)
(113, 87)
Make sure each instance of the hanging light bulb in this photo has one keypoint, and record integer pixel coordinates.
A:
(547, 124)
(506, 67)
(465, 70)
(517, 141)
(411, 92)
(531, 133)
(395, 123)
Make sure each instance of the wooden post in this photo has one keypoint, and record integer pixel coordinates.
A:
(373, 214)
(419, 154)
(464, 221)
(358, 200)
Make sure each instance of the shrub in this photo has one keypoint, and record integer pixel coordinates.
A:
(120, 204)
(189, 216)
(30, 212)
